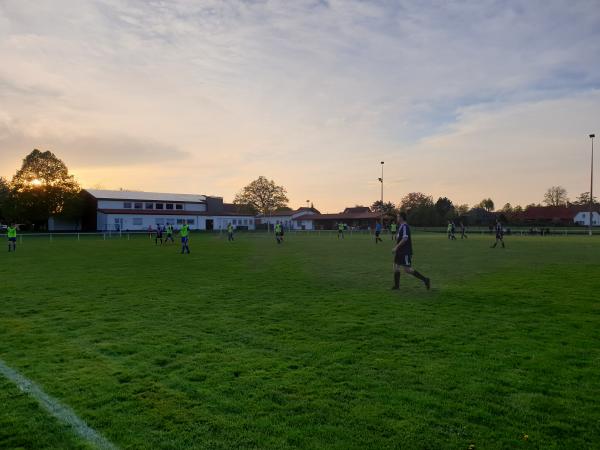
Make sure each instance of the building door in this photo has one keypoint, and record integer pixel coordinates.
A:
(118, 223)
(209, 224)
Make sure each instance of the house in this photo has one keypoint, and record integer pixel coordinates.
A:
(291, 220)
(558, 215)
(107, 210)
(583, 218)
(359, 217)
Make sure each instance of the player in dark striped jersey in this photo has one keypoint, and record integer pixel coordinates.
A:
(499, 235)
(403, 254)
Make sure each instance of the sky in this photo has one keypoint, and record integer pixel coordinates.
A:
(464, 99)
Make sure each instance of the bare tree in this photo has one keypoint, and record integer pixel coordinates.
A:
(556, 196)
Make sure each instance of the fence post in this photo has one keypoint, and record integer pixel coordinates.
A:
(78, 236)
(127, 236)
(103, 236)
(50, 237)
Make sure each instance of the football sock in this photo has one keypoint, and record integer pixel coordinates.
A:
(396, 279)
(419, 276)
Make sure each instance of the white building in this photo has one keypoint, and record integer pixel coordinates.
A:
(583, 218)
(136, 211)
(291, 220)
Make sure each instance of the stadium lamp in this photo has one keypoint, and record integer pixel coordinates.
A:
(592, 136)
(381, 179)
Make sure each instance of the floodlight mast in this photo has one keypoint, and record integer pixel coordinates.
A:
(592, 136)
(381, 179)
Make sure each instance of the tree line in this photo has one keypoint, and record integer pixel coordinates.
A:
(43, 187)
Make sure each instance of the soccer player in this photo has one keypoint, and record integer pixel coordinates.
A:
(229, 232)
(393, 229)
(463, 231)
(378, 232)
(159, 234)
(403, 254)
(11, 233)
(340, 230)
(278, 232)
(499, 234)
(169, 231)
(450, 230)
(185, 238)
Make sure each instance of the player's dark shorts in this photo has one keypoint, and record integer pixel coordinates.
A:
(184, 240)
(377, 233)
(12, 239)
(499, 236)
(403, 259)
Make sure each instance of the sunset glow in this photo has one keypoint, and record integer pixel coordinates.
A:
(465, 100)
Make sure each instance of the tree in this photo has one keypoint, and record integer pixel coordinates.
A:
(556, 196)
(487, 204)
(444, 209)
(415, 200)
(262, 195)
(584, 199)
(507, 209)
(389, 209)
(462, 210)
(42, 187)
(4, 193)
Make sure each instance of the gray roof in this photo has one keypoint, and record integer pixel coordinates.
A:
(145, 196)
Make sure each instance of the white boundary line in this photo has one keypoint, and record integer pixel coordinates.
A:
(53, 406)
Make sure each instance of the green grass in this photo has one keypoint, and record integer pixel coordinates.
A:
(303, 345)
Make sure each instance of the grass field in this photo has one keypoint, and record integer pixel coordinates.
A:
(303, 345)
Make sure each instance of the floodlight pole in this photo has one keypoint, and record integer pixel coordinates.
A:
(592, 136)
(381, 179)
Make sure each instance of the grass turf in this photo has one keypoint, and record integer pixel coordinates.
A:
(254, 345)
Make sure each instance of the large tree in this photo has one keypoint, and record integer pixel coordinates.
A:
(4, 193)
(389, 209)
(584, 199)
(487, 204)
(43, 187)
(262, 195)
(556, 196)
(415, 200)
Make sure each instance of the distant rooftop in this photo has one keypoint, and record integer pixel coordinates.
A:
(145, 196)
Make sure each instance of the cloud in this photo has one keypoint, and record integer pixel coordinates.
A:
(313, 91)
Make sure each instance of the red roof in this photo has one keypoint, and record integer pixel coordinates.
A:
(552, 212)
(343, 216)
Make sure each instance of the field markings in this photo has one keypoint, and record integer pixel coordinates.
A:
(53, 406)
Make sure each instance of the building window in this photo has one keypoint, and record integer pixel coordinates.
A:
(178, 206)
(159, 206)
(138, 221)
(127, 205)
(169, 206)
(138, 205)
(245, 221)
(149, 205)
(250, 222)
(189, 221)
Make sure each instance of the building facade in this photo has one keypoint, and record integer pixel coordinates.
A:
(108, 210)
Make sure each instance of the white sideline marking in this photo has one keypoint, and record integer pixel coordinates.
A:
(54, 407)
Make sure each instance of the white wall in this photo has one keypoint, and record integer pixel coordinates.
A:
(583, 218)
(132, 221)
(107, 222)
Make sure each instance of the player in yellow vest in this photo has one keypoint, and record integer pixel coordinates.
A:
(393, 229)
(278, 233)
(12, 238)
(340, 230)
(230, 232)
(185, 237)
